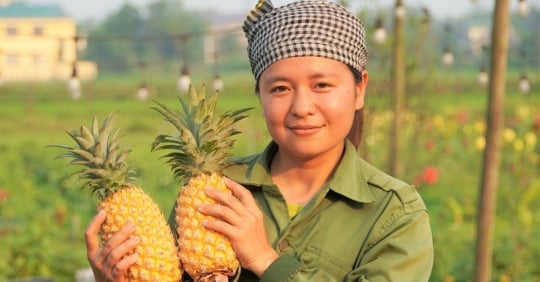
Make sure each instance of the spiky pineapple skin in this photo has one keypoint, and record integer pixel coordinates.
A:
(198, 155)
(158, 260)
(107, 175)
(204, 253)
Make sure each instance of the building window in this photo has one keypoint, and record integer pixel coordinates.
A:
(39, 59)
(38, 30)
(12, 59)
(11, 30)
(61, 50)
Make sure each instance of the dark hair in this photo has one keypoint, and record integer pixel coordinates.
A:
(357, 127)
(357, 74)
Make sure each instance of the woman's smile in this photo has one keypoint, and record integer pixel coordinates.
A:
(309, 104)
(304, 130)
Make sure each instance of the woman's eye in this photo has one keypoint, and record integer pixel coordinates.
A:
(322, 85)
(278, 89)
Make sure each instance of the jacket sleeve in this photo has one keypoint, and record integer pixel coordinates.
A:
(404, 254)
(401, 250)
(289, 268)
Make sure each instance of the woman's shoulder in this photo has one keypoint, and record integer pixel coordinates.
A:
(242, 163)
(247, 169)
(382, 184)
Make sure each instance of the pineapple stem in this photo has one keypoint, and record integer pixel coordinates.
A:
(204, 139)
(104, 165)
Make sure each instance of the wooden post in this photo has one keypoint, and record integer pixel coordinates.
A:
(491, 161)
(398, 76)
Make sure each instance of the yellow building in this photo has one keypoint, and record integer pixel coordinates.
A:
(39, 43)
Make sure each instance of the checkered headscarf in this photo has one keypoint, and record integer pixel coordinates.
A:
(303, 28)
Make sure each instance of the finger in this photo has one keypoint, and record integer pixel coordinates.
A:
(121, 268)
(224, 199)
(220, 227)
(91, 233)
(115, 261)
(120, 237)
(221, 212)
(240, 192)
(232, 215)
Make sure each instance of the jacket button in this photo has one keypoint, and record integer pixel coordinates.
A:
(283, 246)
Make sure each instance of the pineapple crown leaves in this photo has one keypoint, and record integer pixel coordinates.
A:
(204, 139)
(105, 169)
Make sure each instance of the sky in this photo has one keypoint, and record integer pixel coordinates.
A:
(99, 9)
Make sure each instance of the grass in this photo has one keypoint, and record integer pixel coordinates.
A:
(43, 216)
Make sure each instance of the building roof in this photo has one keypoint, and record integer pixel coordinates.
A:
(23, 10)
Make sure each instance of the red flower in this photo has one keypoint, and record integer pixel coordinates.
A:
(462, 117)
(4, 194)
(430, 175)
(536, 124)
(429, 145)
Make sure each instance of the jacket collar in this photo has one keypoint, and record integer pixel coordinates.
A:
(348, 180)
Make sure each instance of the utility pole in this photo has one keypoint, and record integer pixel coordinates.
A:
(398, 78)
(492, 153)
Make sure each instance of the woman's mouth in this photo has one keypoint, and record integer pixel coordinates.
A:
(304, 130)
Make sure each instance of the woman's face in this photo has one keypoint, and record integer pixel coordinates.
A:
(309, 104)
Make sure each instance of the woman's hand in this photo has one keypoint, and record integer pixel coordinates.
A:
(110, 261)
(241, 221)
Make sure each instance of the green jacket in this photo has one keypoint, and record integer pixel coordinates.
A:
(362, 226)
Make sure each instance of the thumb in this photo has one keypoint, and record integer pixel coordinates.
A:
(91, 234)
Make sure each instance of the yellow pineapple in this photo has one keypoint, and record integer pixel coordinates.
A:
(108, 176)
(198, 154)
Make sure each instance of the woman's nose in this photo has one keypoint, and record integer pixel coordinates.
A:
(303, 102)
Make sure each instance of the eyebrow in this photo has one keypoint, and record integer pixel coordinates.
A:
(319, 74)
(272, 79)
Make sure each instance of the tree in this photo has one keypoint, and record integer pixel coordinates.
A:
(132, 36)
(181, 31)
(399, 70)
(111, 44)
(495, 123)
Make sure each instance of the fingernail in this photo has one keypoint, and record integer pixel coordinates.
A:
(229, 182)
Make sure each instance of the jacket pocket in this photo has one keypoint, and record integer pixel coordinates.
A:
(315, 258)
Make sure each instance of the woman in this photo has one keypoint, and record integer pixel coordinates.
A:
(308, 208)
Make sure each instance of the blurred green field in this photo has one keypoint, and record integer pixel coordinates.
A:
(43, 213)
